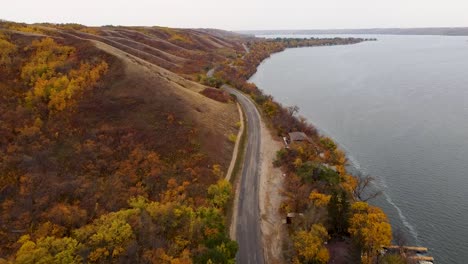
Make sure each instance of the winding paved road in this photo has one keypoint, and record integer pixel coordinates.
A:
(248, 233)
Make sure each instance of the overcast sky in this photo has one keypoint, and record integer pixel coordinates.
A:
(243, 14)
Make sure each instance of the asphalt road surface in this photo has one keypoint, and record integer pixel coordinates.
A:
(248, 233)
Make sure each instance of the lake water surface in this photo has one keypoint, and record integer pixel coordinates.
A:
(399, 108)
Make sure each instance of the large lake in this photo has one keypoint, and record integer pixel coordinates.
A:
(399, 108)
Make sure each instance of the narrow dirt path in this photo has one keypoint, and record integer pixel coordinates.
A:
(236, 146)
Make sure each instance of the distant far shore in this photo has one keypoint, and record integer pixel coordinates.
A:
(445, 31)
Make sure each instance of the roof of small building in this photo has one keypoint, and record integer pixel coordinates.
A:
(299, 136)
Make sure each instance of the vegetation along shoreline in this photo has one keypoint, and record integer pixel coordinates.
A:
(324, 203)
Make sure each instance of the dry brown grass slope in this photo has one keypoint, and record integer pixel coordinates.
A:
(158, 66)
(159, 90)
(151, 87)
(140, 94)
(183, 51)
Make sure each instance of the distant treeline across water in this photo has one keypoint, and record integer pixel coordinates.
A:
(447, 31)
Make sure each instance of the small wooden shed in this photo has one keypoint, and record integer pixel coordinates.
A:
(299, 137)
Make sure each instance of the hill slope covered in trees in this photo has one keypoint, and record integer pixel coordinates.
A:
(107, 154)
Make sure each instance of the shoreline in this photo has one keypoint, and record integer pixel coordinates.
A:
(385, 201)
(276, 204)
(269, 197)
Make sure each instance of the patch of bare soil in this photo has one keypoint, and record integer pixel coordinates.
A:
(271, 182)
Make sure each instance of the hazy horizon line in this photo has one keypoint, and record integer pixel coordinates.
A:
(246, 30)
(356, 28)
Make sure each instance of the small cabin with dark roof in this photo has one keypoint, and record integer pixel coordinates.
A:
(299, 137)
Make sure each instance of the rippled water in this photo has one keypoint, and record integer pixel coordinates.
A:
(399, 107)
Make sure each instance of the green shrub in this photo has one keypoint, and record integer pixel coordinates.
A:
(328, 143)
(311, 171)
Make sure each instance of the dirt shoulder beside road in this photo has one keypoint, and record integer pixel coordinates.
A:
(271, 182)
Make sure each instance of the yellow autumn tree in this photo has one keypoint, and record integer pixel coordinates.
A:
(7, 49)
(217, 170)
(159, 255)
(58, 90)
(348, 182)
(340, 158)
(370, 229)
(108, 236)
(47, 56)
(220, 193)
(25, 28)
(310, 246)
(64, 91)
(319, 199)
(48, 250)
(270, 108)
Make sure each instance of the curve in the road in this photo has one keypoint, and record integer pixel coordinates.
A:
(248, 233)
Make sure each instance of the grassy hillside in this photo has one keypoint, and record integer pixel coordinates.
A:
(106, 152)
